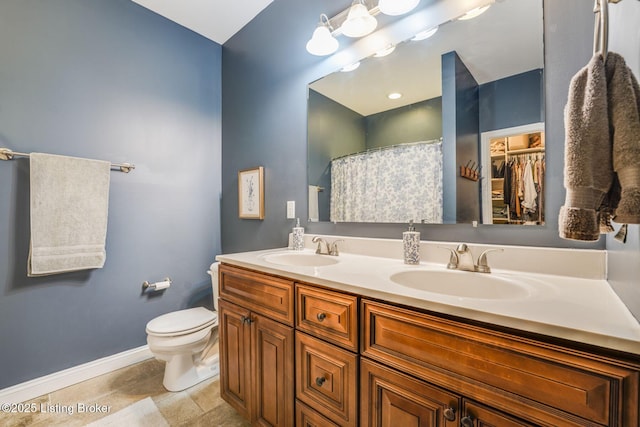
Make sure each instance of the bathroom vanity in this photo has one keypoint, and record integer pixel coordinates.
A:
(356, 340)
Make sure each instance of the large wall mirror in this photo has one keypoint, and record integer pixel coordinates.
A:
(425, 154)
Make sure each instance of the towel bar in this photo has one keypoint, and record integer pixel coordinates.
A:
(7, 154)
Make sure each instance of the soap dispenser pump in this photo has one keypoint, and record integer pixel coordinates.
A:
(297, 237)
(411, 245)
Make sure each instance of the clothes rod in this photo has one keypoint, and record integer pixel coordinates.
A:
(6, 154)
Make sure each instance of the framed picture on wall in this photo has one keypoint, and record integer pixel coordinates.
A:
(251, 193)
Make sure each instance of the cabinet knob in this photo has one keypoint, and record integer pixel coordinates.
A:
(320, 381)
(450, 414)
(321, 316)
(466, 421)
(246, 320)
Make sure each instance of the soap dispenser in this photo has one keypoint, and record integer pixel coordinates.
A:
(411, 245)
(297, 239)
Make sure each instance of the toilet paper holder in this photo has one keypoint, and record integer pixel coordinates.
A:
(156, 286)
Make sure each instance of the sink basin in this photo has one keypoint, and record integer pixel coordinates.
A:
(462, 284)
(301, 259)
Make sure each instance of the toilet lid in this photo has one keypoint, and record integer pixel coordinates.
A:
(182, 321)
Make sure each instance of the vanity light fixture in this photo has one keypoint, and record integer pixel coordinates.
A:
(350, 67)
(356, 21)
(384, 52)
(394, 95)
(359, 21)
(423, 35)
(322, 42)
(474, 13)
(397, 7)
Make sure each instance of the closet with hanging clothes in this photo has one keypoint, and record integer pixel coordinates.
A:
(517, 179)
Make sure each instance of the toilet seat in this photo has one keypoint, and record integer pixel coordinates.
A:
(182, 322)
(174, 343)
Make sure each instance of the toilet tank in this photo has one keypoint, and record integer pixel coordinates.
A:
(213, 272)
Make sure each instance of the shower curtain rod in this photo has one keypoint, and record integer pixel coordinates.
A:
(387, 147)
(7, 154)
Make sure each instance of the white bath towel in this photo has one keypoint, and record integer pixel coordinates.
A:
(69, 205)
(314, 214)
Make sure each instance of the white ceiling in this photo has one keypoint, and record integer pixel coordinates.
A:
(217, 20)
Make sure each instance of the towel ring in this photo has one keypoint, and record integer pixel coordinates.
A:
(601, 27)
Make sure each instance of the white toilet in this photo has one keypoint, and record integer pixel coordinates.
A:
(182, 338)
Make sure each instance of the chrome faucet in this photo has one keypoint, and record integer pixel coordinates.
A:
(332, 248)
(462, 259)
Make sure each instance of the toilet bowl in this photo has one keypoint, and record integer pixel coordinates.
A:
(183, 339)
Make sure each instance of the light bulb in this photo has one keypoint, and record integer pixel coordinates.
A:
(423, 35)
(397, 7)
(474, 13)
(359, 22)
(322, 42)
(350, 67)
(384, 52)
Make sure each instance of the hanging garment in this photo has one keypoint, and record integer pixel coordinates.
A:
(530, 193)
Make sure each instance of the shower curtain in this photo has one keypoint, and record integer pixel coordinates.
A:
(393, 184)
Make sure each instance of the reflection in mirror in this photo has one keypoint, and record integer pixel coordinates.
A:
(514, 194)
(469, 78)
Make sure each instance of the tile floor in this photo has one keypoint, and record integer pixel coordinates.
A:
(200, 405)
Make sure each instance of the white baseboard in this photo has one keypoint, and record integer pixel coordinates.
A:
(52, 382)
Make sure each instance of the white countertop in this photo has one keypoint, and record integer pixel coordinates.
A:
(581, 307)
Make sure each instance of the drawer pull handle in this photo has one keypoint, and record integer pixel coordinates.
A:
(320, 381)
(321, 316)
(466, 421)
(450, 414)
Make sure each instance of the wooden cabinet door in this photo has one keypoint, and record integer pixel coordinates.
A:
(235, 357)
(273, 373)
(390, 398)
(327, 379)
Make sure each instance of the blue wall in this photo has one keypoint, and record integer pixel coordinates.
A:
(421, 121)
(264, 123)
(106, 79)
(512, 101)
(460, 124)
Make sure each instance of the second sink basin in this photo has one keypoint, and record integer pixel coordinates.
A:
(301, 259)
(462, 284)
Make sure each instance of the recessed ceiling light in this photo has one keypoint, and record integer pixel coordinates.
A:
(350, 67)
(473, 13)
(394, 95)
(422, 35)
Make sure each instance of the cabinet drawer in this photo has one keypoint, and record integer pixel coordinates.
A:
(307, 417)
(260, 293)
(483, 416)
(326, 379)
(535, 381)
(333, 316)
(390, 398)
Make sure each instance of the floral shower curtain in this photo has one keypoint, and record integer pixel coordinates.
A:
(394, 184)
